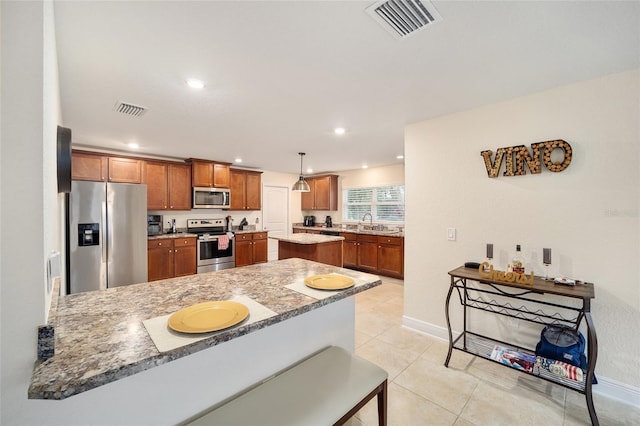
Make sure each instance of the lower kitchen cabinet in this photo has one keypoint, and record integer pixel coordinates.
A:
(349, 249)
(391, 256)
(374, 253)
(368, 252)
(171, 257)
(251, 248)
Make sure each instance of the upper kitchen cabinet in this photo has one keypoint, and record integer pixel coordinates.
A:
(209, 174)
(87, 166)
(323, 194)
(246, 187)
(125, 170)
(100, 167)
(168, 185)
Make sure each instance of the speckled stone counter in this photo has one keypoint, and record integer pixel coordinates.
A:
(176, 235)
(391, 233)
(308, 238)
(100, 337)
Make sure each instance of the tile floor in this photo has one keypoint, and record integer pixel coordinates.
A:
(472, 391)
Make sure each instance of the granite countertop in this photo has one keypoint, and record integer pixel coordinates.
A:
(389, 233)
(176, 235)
(308, 238)
(100, 338)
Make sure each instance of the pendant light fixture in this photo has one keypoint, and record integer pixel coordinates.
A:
(301, 185)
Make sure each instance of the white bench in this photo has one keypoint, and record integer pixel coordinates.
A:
(327, 388)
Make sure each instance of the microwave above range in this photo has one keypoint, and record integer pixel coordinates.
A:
(211, 198)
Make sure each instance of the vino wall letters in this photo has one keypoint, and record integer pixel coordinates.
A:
(519, 155)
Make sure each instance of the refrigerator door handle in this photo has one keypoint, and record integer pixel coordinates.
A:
(107, 211)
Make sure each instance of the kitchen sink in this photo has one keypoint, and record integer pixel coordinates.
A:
(376, 232)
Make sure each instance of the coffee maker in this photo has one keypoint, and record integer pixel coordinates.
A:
(154, 224)
(328, 222)
(309, 221)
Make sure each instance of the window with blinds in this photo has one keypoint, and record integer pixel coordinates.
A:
(384, 203)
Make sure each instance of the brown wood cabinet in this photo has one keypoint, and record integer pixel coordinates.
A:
(251, 248)
(171, 257)
(209, 174)
(391, 256)
(125, 170)
(168, 185)
(87, 166)
(368, 252)
(101, 167)
(323, 194)
(374, 253)
(310, 230)
(349, 249)
(246, 189)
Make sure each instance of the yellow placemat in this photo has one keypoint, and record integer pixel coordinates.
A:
(301, 287)
(166, 339)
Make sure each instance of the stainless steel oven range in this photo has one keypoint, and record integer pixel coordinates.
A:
(214, 252)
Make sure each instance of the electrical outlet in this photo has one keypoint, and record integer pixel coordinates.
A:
(451, 234)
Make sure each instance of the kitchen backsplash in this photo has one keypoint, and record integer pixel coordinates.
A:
(254, 218)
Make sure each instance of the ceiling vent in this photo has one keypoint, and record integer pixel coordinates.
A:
(404, 17)
(130, 109)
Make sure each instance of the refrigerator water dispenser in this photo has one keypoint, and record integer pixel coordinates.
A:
(88, 234)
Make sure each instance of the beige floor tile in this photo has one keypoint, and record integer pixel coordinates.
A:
(495, 406)
(394, 360)
(491, 372)
(361, 338)
(405, 408)
(354, 421)
(403, 338)
(463, 422)
(437, 353)
(372, 323)
(609, 411)
(447, 387)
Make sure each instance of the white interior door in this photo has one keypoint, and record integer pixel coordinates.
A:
(275, 215)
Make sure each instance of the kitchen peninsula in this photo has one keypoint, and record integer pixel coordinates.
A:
(319, 248)
(106, 368)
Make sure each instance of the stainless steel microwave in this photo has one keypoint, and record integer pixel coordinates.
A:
(211, 198)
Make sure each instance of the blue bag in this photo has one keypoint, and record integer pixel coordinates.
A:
(562, 344)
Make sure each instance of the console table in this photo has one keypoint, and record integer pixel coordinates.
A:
(497, 297)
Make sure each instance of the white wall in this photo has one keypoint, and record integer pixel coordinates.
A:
(30, 208)
(587, 214)
(374, 176)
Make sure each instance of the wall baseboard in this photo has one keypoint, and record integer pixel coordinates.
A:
(606, 387)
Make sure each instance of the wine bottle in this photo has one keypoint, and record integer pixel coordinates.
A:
(518, 261)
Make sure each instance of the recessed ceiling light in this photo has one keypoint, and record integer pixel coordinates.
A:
(400, 157)
(238, 160)
(339, 131)
(194, 83)
(364, 166)
(133, 145)
(309, 170)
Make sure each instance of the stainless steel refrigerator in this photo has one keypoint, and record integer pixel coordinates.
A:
(106, 235)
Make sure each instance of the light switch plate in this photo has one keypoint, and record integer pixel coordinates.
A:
(451, 234)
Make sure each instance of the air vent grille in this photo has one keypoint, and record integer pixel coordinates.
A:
(404, 17)
(130, 109)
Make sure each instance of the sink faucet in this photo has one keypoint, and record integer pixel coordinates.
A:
(370, 218)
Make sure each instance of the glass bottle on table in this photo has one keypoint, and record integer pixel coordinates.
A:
(518, 261)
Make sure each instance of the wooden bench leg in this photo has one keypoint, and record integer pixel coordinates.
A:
(382, 405)
(381, 391)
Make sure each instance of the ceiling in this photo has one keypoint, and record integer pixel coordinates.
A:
(281, 75)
